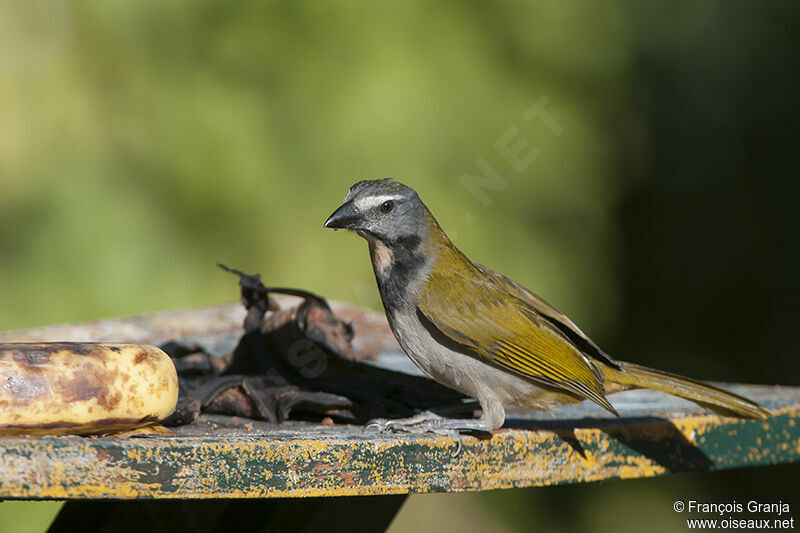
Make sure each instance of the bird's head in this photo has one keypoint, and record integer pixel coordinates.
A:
(382, 210)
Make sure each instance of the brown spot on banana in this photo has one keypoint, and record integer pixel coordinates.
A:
(83, 388)
(141, 357)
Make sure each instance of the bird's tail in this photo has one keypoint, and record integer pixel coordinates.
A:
(631, 376)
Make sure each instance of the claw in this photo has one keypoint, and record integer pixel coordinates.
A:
(379, 425)
(459, 445)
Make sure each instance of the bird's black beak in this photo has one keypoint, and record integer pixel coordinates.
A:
(346, 217)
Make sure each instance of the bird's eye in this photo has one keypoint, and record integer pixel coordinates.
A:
(387, 206)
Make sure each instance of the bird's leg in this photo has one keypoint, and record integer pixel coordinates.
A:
(492, 417)
(427, 422)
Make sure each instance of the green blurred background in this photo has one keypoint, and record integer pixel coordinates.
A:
(142, 142)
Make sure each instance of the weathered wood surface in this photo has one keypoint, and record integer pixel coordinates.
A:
(224, 457)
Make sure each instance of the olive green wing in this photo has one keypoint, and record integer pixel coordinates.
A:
(566, 326)
(481, 311)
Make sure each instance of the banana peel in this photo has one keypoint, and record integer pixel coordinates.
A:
(84, 388)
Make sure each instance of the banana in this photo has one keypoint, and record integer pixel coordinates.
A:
(83, 388)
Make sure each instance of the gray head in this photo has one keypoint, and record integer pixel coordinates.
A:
(383, 209)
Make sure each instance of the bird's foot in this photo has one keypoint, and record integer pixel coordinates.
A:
(427, 422)
(423, 422)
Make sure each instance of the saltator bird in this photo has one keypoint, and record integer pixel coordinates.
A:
(476, 331)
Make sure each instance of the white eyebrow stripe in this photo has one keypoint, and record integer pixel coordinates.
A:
(364, 204)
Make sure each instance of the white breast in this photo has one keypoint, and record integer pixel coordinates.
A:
(460, 371)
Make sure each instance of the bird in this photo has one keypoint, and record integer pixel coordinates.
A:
(478, 332)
